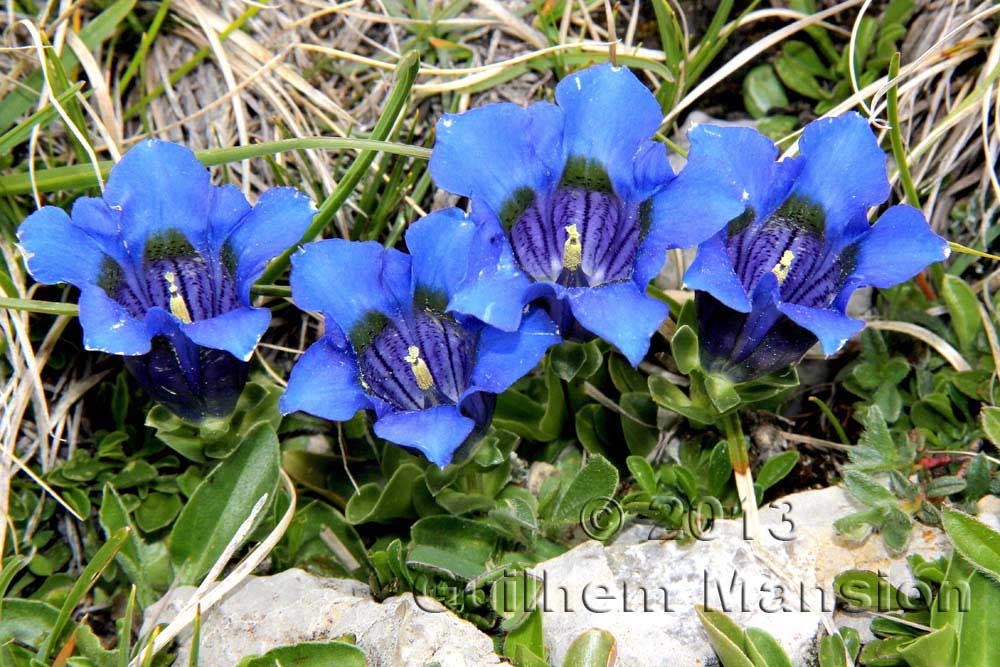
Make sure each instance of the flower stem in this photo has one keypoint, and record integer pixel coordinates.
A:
(741, 474)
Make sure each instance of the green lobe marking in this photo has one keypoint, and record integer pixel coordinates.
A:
(367, 328)
(586, 174)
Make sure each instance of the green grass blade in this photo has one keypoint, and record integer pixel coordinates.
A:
(79, 176)
(87, 579)
(407, 74)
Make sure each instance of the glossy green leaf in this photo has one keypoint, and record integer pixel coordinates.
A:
(963, 307)
(764, 650)
(310, 654)
(726, 638)
(762, 91)
(775, 469)
(684, 346)
(376, 503)
(222, 502)
(593, 648)
(451, 546)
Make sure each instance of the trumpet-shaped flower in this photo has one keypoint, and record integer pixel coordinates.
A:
(164, 262)
(574, 193)
(392, 346)
(779, 277)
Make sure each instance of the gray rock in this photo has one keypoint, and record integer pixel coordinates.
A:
(643, 588)
(295, 606)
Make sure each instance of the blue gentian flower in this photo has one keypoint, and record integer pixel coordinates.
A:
(574, 194)
(778, 278)
(391, 345)
(164, 261)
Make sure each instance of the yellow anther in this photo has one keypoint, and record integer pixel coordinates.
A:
(177, 305)
(783, 266)
(572, 250)
(419, 367)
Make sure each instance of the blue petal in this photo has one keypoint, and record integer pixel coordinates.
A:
(226, 210)
(899, 246)
(492, 151)
(502, 358)
(620, 313)
(436, 432)
(500, 289)
(346, 280)
(237, 331)
(843, 169)
(728, 169)
(58, 251)
(712, 272)
(832, 328)
(651, 170)
(609, 117)
(277, 222)
(324, 382)
(107, 326)
(442, 246)
(159, 186)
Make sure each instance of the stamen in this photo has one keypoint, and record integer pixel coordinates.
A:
(177, 305)
(783, 266)
(572, 250)
(419, 367)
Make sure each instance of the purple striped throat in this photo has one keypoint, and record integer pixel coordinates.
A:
(418, 364)
(790, 245)
(581, 234)
(175, 277)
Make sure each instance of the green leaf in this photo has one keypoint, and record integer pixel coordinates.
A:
(643, 474)
(980, 621)
(157, 511)
(764, 650)
(864, 589)
(684, 346)
(374, 503)
(595, 428)
(798, 76)
(592, 487)
(867, 490)
(727, 639)
(643, 437)
(832, 652)
(310, 654)
(945, 485)
(451, 546)
(222, 502)
(963, 307)
(668, 395)
(989, 418)
(104, 556)
(775, 469)
(979, 544)
(722, 392)
(147, 566)
(538, 418)
(934, 649)
(593, 648)
(762, 91)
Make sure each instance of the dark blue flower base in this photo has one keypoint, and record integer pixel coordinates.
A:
(193, 382)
